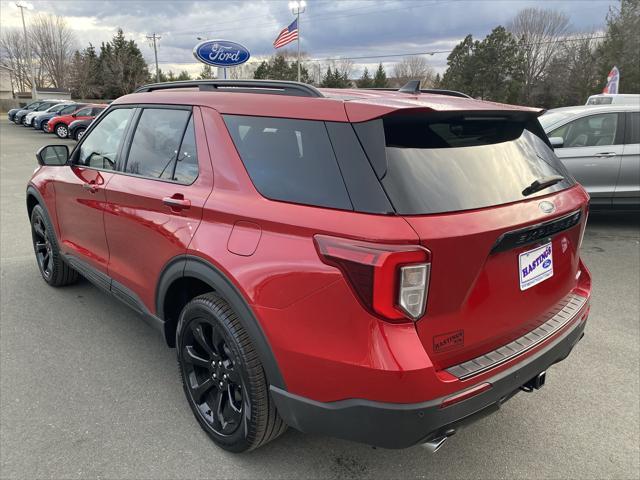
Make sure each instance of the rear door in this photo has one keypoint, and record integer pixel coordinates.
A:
(592, 151)
(155, 201)
(463, 183)
(628, 185)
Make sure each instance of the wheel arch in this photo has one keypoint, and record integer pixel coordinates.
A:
(188, 276)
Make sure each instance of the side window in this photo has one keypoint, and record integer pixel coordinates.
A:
(632, 128)
(96, 111)
(100, 147)
(594, 130)
(290, 160)
(85, 112)
(68, 110)
(156, 141)
(186, 167)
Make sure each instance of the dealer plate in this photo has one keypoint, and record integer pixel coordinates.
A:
(535, 266)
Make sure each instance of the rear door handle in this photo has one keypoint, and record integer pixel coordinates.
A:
(605, 154)
(177, 202)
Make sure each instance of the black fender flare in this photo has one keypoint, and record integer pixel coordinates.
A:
(196, 267)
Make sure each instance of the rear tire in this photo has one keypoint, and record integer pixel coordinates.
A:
(62, 131)
(222, 377)
(54, 270)
(79, 133)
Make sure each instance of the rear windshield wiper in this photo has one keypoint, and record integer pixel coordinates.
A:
(541, 184)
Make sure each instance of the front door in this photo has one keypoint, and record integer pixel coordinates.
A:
(592, 152)
(80, 191)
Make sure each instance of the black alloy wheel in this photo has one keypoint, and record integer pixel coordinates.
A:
(42, 246)
(223, 378)
(79, 133)
(54, 270)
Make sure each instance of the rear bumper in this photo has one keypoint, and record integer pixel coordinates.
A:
(395, 425)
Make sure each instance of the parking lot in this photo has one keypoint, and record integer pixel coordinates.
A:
(87, 389)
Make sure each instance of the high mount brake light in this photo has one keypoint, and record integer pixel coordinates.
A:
(391, 281)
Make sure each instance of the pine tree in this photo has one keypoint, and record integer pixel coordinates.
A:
(380, 78)
(206, 72)
(365, 81)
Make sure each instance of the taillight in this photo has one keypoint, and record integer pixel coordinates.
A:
(391, 281)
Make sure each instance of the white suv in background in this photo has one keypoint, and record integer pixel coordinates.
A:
(600, 146)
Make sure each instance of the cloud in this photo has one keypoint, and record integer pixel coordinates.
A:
(328, 28)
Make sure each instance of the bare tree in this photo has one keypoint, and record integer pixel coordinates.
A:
(539, 32)
(413, 68)
(53, 43)
(13, 54)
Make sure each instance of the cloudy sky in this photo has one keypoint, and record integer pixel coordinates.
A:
(337, 28)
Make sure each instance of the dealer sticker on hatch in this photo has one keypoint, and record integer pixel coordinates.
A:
(535, 266)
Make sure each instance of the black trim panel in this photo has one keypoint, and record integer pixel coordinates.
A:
(533, 233)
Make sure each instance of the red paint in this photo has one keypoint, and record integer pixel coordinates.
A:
(328, 346)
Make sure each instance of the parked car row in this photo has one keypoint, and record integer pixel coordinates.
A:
(65, 118)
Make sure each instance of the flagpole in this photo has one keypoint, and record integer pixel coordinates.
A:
(298, 20)
(298, 7)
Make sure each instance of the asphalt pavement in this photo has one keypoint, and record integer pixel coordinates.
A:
(88, 390)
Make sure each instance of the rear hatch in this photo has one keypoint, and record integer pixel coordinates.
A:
(500, 214)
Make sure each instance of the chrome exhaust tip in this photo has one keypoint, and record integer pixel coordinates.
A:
(434, 445)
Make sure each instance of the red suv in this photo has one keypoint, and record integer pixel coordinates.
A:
(380, 266)
(60, 125)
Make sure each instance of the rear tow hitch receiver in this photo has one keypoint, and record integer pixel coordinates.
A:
(535, 383)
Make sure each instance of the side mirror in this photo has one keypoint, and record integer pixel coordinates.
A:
(74, 115)
(556, 142)
(53, 155)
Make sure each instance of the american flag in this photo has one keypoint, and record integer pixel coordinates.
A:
(287, 35)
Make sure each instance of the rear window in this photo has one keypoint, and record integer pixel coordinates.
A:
(289, 160)
(600, 101)
(437, 163)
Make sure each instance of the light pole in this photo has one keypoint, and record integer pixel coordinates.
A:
(28, 6)
(298, 7)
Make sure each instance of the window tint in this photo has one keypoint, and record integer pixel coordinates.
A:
(186, 167)
(290, 160)
(44, 106)
(96, 111)
(442, 162)
(100, 147)
(591, 131)
(632, 129)
(68, 110)
(156, 141)
(85, 112)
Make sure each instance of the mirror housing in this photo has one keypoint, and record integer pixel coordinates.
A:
(53, 155)
(556, 142)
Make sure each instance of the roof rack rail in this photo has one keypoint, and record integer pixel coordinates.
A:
(273, 87)
(413, 87)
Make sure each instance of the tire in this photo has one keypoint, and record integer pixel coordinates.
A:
(62, 131)
(79, 133)
(54, 270)
(222, 377)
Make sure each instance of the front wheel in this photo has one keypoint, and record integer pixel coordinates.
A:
(54, 270)
(223, 378)
(62, 131)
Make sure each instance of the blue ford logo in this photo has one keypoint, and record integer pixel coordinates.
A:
(546, 263)
(221, 53)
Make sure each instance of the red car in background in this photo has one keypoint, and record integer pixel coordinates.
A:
(60, 125)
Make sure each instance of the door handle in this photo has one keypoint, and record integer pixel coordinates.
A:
(177, 202)
(605, 155)
(91, 187)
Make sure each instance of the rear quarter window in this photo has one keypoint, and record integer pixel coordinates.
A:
(289, 160)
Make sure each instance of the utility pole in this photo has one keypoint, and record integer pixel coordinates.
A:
(28, 6)
(153, 37)
(298, 7)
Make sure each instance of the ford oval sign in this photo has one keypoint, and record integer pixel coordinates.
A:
(221, 53)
